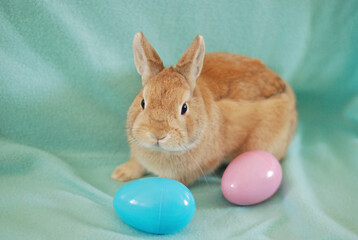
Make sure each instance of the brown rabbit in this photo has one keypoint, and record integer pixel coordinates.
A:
(188, 119)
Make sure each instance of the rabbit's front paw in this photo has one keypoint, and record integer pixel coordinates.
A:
(128, 171)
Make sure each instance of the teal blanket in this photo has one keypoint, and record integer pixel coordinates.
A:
(67, 78)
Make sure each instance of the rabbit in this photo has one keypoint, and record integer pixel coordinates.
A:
(189, 119)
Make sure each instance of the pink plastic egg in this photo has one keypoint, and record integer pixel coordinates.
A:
(250, 178)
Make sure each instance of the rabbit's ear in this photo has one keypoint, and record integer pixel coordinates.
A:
(147, 60)
(191, 63)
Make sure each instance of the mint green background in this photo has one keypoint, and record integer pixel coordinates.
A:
(67, 78)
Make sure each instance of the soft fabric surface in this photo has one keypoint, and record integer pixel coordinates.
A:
(67, 78)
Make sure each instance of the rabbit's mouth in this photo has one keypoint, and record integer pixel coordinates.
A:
(166, 144)
(160, 147)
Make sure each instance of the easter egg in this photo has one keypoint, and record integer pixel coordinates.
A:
(155, 205)
(251, 178)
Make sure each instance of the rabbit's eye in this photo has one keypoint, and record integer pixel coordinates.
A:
(142, 103)
(184, 108)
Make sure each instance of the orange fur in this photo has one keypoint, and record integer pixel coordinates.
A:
(235, 104)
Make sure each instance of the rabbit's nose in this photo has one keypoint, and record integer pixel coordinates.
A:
(158, 136)
(161, 137)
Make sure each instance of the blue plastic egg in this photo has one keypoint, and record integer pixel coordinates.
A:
(155, 205)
